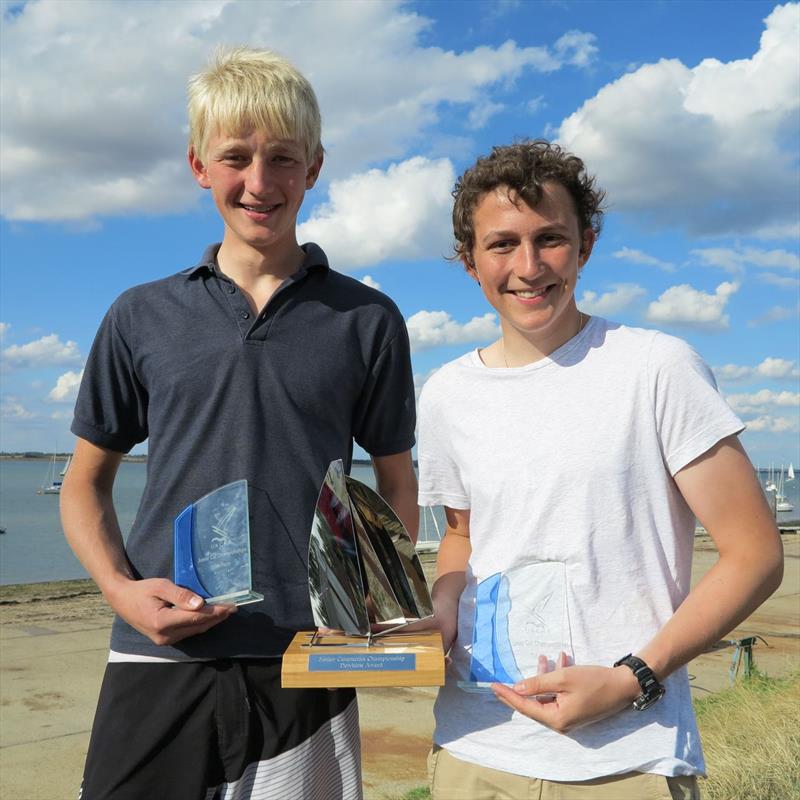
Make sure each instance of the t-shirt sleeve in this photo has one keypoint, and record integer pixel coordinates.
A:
(691, 415)
(440, 477)
(386, 414)
(111, 409)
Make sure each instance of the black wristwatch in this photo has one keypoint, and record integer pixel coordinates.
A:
(652, 690)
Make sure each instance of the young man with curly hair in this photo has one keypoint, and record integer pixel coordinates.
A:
(577, 451)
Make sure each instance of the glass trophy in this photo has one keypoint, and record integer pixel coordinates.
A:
(520, 615)
(368, 595)
(212, 547)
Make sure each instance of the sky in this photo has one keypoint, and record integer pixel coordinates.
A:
(688, 113)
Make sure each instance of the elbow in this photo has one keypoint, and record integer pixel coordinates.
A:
(774, 567)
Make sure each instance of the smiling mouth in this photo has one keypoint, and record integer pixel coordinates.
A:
(258, 209)
(530, 294)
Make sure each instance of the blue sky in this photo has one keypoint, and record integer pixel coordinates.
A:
(687, 112)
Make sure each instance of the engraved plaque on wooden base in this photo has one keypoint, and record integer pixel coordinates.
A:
(331, 661)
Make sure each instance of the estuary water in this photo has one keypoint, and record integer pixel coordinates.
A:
(33, 548)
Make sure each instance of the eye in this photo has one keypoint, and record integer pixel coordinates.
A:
(552, 239)
(234, 158)
(501, 245)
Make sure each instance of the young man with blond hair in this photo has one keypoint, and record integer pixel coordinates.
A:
(572, 456)
(259, 362)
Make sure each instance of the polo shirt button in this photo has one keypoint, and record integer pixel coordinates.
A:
(245, 315)
(231, 290)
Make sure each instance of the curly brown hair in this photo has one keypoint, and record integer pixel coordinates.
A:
(523, 167)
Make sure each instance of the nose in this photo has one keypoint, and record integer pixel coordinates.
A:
(259, 179)
(528, 262)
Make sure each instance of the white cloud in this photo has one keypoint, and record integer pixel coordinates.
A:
(783, 281)
(776, 368)
(433, 328)
(689, 307)
(400, 213)
(66, 388)
(773, 314)
(709, 148)
(85, 100)
(536, 104)
(638, 257)
(12, 409)
(731, 373)
(368, 280)
(771, 368)
(757, 402)
(577, 48)
(773, 424)
(612, 302)
(4, 328)
(480, 114)
(736, 260)
(45, 352)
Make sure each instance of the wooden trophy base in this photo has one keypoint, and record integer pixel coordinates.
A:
(333, 661)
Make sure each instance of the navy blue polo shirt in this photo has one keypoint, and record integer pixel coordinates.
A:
(223, 394)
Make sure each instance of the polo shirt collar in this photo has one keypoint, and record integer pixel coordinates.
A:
(314, 259)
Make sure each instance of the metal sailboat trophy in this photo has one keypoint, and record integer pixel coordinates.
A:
(365, 580)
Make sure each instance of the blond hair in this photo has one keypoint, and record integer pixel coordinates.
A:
(241, 89)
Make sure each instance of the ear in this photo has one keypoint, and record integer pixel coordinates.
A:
(470, 268)
(198, 168)
(314, 169)
(587, 243)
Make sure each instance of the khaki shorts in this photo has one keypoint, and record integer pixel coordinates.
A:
(453, 779)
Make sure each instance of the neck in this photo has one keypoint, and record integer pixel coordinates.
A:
(258, 273)
(245, 264)
(520, 349)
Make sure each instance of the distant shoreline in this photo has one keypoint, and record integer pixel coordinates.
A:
(36, 456)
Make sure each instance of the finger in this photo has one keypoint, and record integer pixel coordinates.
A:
(529, 706)
(562, 661)
(179, 596)
(546, 683)
(174, 625)
(542, 665)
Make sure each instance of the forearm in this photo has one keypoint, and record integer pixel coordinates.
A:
(92, 531)
(734, 587)
(396, 483)
(721, 489)
(403, 500)
(451, 566)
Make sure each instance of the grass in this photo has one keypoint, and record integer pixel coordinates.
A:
(420, 793)
(751, 739)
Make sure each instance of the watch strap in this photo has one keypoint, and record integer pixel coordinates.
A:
(652, 690)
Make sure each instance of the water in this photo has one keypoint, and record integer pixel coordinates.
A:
(34, 549)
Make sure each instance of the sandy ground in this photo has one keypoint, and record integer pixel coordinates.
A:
(53, 647)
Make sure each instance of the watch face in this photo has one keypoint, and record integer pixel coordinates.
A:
(646, 700)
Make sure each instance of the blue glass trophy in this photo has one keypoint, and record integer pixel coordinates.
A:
(212, 547)
(519, 616)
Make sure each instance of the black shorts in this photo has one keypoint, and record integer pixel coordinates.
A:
(220, 730)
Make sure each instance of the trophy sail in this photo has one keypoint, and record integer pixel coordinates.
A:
(336, 588)
(398, 560)
(212, 546)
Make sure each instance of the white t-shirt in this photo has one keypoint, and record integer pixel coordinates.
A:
(569, 461)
